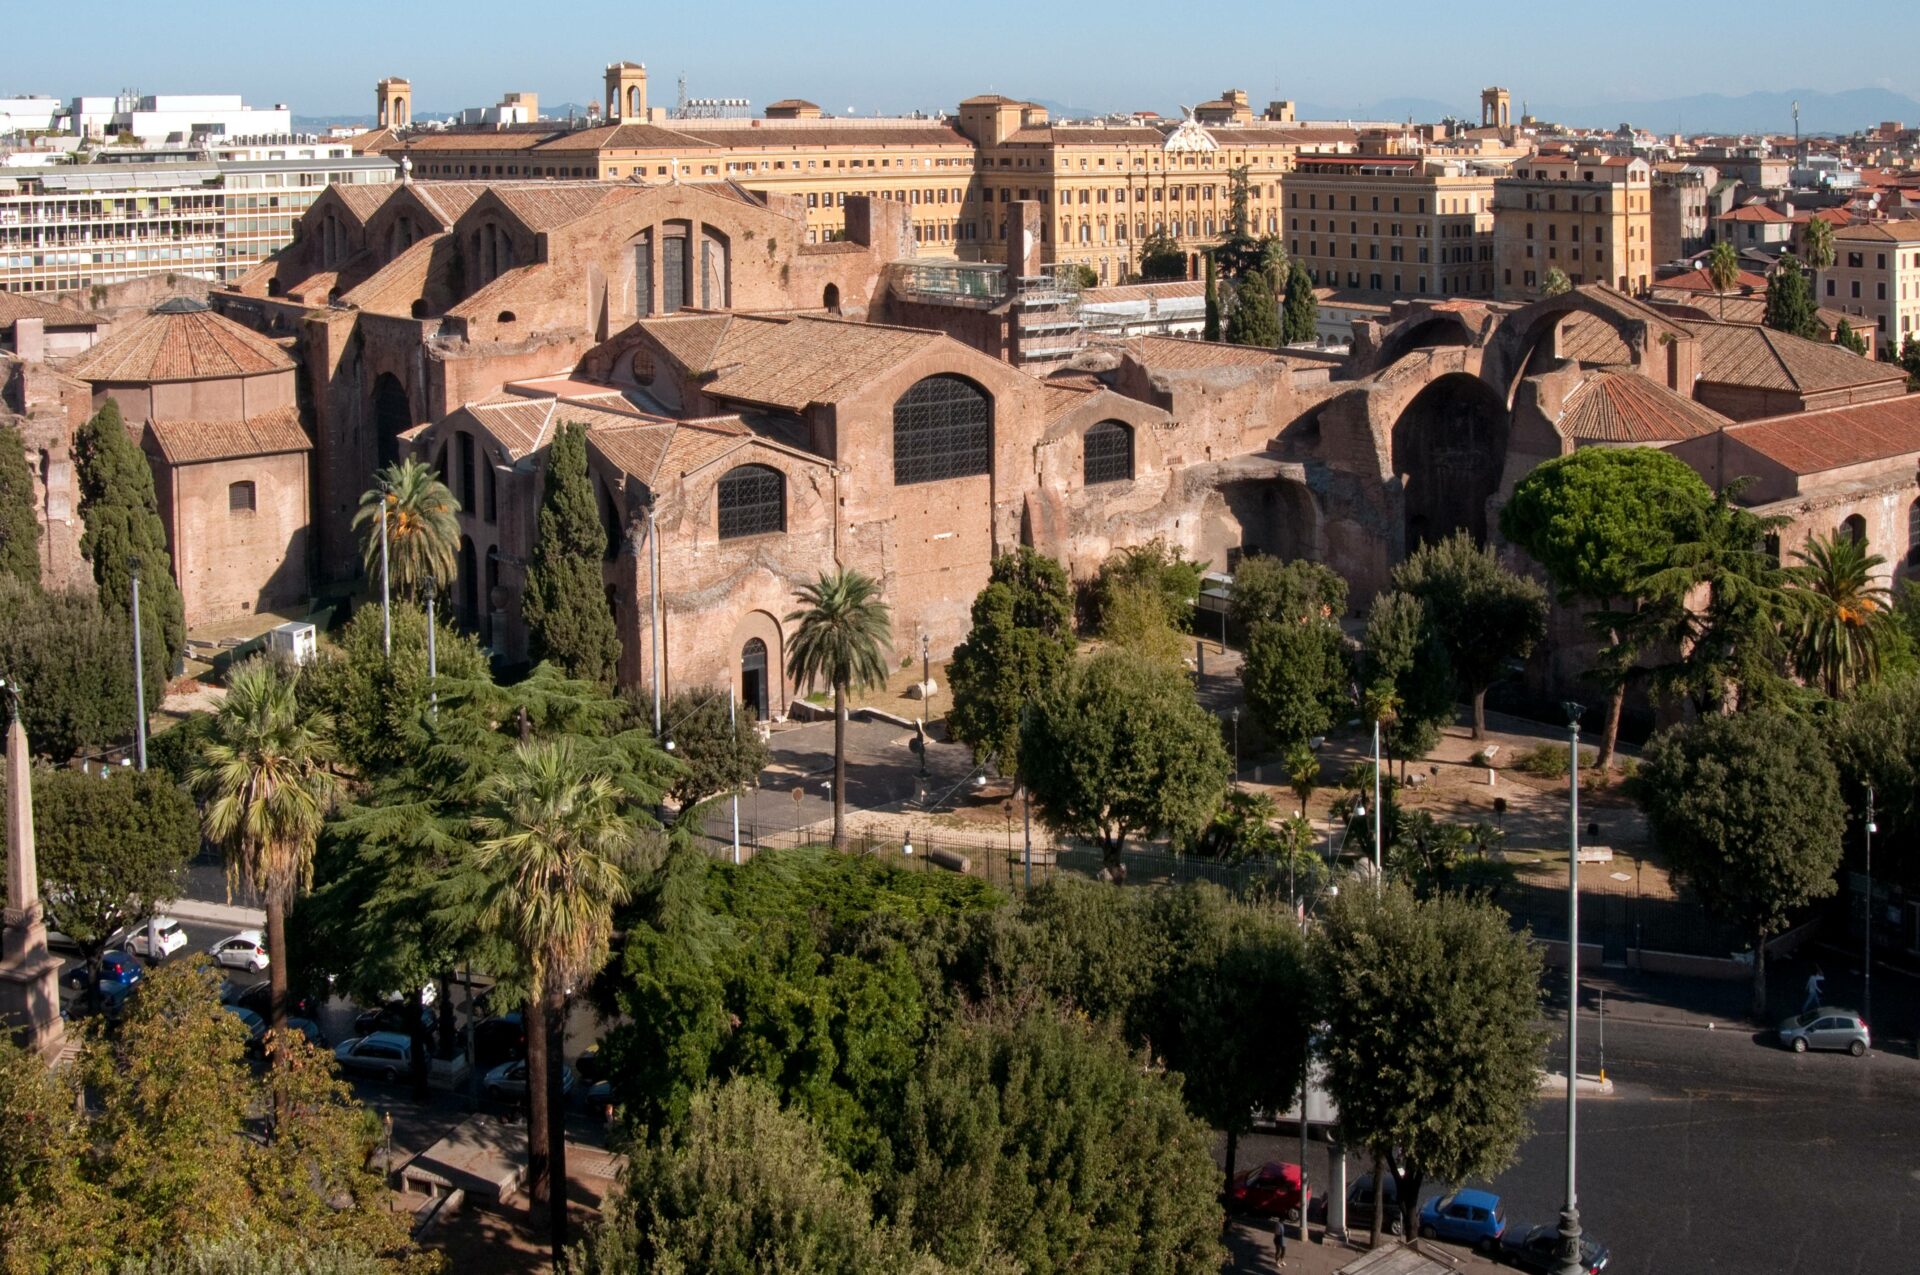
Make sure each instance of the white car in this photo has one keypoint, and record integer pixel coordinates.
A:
(154, 938)
(246, 950)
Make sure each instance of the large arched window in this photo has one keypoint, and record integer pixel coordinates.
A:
(392, 416)
(1108, 452)
(753, 502)
(1913, 534)
(942, 428)
(240, 498)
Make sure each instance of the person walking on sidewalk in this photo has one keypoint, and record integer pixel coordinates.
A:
(1816, 989)
(1279, 1242)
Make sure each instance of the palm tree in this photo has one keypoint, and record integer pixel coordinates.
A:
(844, 628)
(1723, 271)
(1817, 249)
(264, 780)
(555, 846)
(1842, 612)
(1303, 771)
(423, 536)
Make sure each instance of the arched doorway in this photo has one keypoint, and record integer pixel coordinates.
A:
(830, 299)
(392, 416)
(753, 678)
(1449, 448)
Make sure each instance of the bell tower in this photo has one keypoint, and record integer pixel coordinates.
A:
(626, 93)
(1496, 108)
(393, 104)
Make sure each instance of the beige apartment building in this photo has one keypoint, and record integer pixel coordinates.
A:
(1588, 215)
(1398, 226)
(1876, 277)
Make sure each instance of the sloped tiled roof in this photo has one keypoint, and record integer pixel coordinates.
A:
(1905, 230)
(1586, 339)
(622, 137)
(1813, 442)
(1737, 354)
(545, 205)
(15, 306)
(1625, 407)
(692, 340)
(176, 342)
(449, 199)
(649, 449)
(1142, 291)
(1700, 281)
(1171, 354)
(787, 362)
(363, 199)
(522, 425)
(268, 434)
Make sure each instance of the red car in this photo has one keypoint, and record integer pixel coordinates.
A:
(1272, 1190)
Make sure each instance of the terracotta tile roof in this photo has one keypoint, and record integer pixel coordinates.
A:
(489, 141)
(363, 199)
(1057, 399)
(649, 450)
(785, 362)
(1143, 291)
(1067, 135)
(1171, 354)
(521, 425)
(639, 137)
(188, 343)
(1813, 442)
(1736, 354)
(829, 133)
(394, 287)
(1588, 340)
(692, 340)
(546, 205)
(448, 199)
(1256, 135)
(1754, 212)
(1625, 407)
(1903, 231)
(15, 306)
(193, 442)
(373, 141)
(791, 103)
(1699, 281)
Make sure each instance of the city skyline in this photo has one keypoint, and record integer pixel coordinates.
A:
(1318, 58)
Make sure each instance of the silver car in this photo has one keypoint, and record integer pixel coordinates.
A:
(1826, 1028)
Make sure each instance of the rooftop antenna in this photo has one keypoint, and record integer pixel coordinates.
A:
(1797, 154)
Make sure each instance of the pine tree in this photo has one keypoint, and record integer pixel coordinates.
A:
(565, 604)
(1846, 337)
(1790, 305)
(19, 527)
(1255, 320)
(1211, 331)
(1302, 317)
(123, 524)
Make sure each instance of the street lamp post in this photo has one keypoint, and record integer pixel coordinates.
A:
(1866, 941)
(139, 673)
(433, 660)
(733, 727)
(653, 590)
(386, 592)
(1569, 1257)
(1236, 745)
(1379, 869)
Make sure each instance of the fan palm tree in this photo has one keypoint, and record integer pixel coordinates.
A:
(1723, 270)
(1817, 248)
(1842, 612)
(1303, 771)
(266, 789)
(844, 628)
(555, 844)
(423, 536)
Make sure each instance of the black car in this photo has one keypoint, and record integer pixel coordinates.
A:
(1538, 1249)
(1360, 1205)
(258, 997)
(499, 1040)
(392, 1017)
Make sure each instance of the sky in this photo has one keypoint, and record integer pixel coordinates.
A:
(889, 58)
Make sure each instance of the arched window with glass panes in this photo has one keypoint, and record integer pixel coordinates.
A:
(753, 502)
(942, 428)
(1913, 534)
(1107, 453)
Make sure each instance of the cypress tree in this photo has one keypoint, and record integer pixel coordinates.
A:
(565, 604)
(19, 526)
(1845, 336)
(1255, 320)
(1790, 305)
(122, 516)
(1303, 308)
(1211, 331)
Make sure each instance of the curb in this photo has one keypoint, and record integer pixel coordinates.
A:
(206, 912)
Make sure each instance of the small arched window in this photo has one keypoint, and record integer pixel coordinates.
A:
(240, 498)
(942, 428)
(753, 502)
(1913, 534)
(1108, 452)
(1855, 529)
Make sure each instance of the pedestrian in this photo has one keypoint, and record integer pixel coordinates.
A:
(1816, 990)
(1280, 1241)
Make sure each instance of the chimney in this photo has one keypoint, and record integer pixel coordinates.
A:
(30, 339)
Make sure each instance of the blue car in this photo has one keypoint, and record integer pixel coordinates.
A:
(115, 967)
(1465, 1217)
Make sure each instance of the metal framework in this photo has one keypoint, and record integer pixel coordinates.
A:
(753, 502)
(1107, 452)
(942, 428)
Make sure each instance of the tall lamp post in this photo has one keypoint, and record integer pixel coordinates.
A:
(1569, 1257)
(386, 592)
(1866, 941)
(1379, 869)
(139, 672)
(1236, 745)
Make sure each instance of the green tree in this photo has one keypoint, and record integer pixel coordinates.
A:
(1081, 276)
(19, 523)
(1842, 613)
(1301, 320)
(1159, 567)
(1874, 739)
(1555, 282)
(1210, 329)
(1403, 652)
(1161, 258)
(1846, 337)
(1120, 749)
(1302, 766)
(1296, 676)
(423, 531)
(1041, 1138)
(1485, 615)
(1273, 589)
(1255, 320)
(175, 750)
(1598, 521)
(124, 527)
(742, 1185)
(1909, 361)
(565, 603)
(111, 850)
(556, 849)
(1747, 807)
(1790, 305)
(1021, 643)
(1436, 1082)
(716, 755)
(265, 786)
(843, 635)
(1817, 245)
(73, 662)
(1723, 271)
(1136, 617)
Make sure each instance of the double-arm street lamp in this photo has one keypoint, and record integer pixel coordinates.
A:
(1569, 1262)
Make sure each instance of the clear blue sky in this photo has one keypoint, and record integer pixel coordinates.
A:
(890, 57)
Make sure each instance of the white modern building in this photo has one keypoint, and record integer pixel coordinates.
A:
(175, 117)
(29, 114)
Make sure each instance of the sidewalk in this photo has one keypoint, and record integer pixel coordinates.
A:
(207, 912)
(1249, 1244)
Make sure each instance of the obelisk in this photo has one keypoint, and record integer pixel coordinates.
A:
(29, 974)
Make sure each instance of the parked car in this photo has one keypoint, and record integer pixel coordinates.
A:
(258, 997)
(509, 1080)
(256, 1026)
(591, 1066)
(1272, 1190)
(393, 1017)
(1465, 1217)
(499, 1040)
(246, 950)
(383, 1055)
(1360, 1205)
(1826, 1028)
(308, 1028)
(154, 938)
(115, 967)
(1538, 1249)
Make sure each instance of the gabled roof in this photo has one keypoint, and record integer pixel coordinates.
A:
(194, 442)
(547, 205)
(1736, 354)
(652, 450)
(1625, 407)
(789, 363)
(1754, 212)
(1172, 354)
(179, 340)
(364, 199)
(1699, 280)
(15, 306)
(1814, 442)
(1906, 230)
